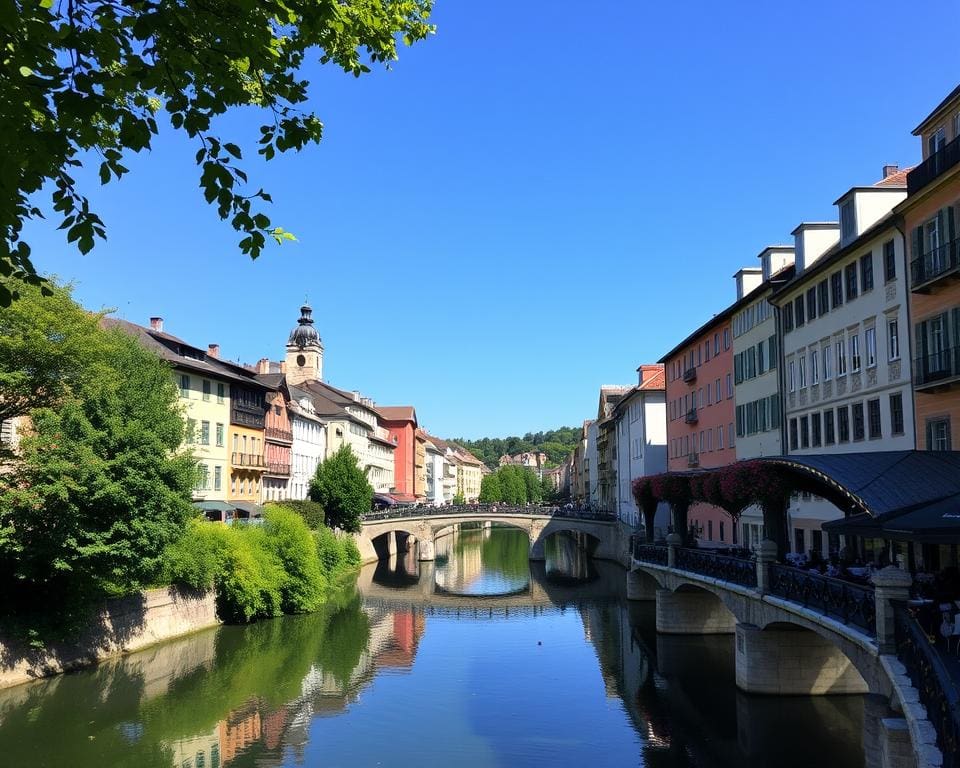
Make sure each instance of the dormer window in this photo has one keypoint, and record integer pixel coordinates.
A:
(848, 223)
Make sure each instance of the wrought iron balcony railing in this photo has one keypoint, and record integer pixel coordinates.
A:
(693, 459)
(935, 369)
(937, 264)
(690, 374)
(737, 570)
(691, 417)
(937, 164)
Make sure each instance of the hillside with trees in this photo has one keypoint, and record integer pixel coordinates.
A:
(555, 443)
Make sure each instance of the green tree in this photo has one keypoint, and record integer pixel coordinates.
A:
(100, 488)
(458, 500)
(547, 490)
(490, 490)
(512, 484)
(534, 493)
(90, 80)
(342, 489)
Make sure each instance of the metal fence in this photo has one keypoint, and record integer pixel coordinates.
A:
(493, 510)
(850, 603)
(649, 553)
(736, 570)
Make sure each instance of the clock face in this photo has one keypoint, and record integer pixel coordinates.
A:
(301, 360)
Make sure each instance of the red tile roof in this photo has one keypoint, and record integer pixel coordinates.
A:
(398, 412)
(898, 179)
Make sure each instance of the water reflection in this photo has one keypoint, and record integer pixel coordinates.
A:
(528, 663)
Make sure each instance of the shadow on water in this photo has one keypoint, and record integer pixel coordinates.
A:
(484, 691)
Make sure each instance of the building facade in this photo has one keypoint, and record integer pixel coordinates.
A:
(930, 215)
(400, 422)
(278, 446)
(248, 408)
(640, 426)
(309, 446)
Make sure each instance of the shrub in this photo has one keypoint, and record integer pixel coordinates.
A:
(291, 542)
(196, 559)
(337, 553)
(310, 511)
(252, 580)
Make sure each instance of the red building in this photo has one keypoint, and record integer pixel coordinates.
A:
(701, 415)
(400, 421)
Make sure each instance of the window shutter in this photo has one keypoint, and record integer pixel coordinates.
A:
(951, 232)
(929, 436)
(921, 340)
(917, 242)
(949, 436)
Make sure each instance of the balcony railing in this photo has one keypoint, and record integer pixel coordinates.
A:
(246, 460)
(933, 369)
(273, 433)
(691, 417)
(280, 470)
(693, 459)
(933, 682)
(849, 603)
(941, 262)
(737, 570)
(938, 163)
(690, 374)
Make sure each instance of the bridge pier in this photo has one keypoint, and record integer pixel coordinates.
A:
(425, 550)
(693, 613)
(641, 586)
(391, 539)
(793, 662)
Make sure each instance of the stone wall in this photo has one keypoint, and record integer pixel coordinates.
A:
(120, 626)
(693, 613)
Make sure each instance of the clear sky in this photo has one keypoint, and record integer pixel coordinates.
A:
(532, 202)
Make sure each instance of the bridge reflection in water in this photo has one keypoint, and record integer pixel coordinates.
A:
(434, 664)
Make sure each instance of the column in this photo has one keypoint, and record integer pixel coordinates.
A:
(425, 550)
(890, 585)
(766, 554)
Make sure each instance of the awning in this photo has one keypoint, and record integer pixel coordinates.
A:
(214, 506)
(254, 510)
(404, 498)
(384, 500)
(938, 522)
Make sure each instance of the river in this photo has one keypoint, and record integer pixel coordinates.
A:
(478, 659)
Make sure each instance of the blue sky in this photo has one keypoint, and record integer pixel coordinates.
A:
(532, 202)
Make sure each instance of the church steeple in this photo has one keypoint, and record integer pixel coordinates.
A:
(304, 350)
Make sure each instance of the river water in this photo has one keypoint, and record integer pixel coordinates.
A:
(479, 659)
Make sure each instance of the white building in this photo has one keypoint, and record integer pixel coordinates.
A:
(845, 345)
(435, 472)
(641, 435)
(309, 443)
(591, 460)
(756, 371)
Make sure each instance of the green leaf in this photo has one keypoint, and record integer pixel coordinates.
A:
(26, 71)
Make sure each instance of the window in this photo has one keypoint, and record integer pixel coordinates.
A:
(938, 434)
(794, 435)
(893, 340)
(855, 352)
(804, 432)
(857, 421)
(851, 273)
(823, 298)
(866, 272)
(792, 375)
(206, 390)
(717, 397)
(710, 530)
(721, 530)
(815, 429)
(191, 431)
(219, 435)
(889, 261)
(848, 224)
(936, 140)
(716, 344)
(233, 484)
(772, 352)
(221, 391)
(801, 371)
(812, 303)
(729, 386)
(184, 385)
(730, 434)
(726, 338)
(217, 477)
(720, 438)
(836, 290)
(896, 413)
(814, 368)
(841, 358)
(203, 477)
(788, 317)
(828, 436)
(204, 433)
(825, 354)
(843, 424)
(870, 337)
(706, 351)
(873, 419)
(798, 317)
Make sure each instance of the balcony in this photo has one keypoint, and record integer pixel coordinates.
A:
(936, 371)
(934, 166)
(690, 374)
(691, 417)
(693, 459)
(932, 267)
(247, 460)
(278, 470)
(278, 435)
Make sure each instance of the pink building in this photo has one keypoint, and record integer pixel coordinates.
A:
(701, 415)
(400, 421)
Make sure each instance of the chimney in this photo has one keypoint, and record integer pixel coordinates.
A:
(889, 170)
(647, 372)
(356, 396)
(213, 350)
(283, 366)
(263, 365)
(156, 324)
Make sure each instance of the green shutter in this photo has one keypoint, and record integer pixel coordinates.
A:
(917, 250)
(929, 436)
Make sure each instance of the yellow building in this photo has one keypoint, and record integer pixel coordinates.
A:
(469, 475)
(248, 408)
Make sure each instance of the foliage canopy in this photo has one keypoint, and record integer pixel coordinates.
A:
(342, 489)
(92, 80)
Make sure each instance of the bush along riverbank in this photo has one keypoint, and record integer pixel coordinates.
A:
(282, 566)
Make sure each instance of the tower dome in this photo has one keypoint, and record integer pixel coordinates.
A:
(304, 334)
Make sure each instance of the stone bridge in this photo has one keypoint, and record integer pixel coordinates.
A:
(795, 633)
(422, 525)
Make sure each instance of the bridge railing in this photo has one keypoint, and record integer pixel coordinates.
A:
(736, 570)
(929, 675)
(851, 603)
(649, 553)
(480, 510)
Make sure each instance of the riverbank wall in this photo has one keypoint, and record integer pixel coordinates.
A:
(120, 626)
